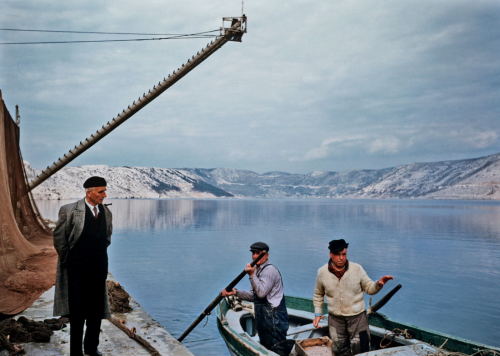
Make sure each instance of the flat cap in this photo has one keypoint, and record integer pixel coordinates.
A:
(259, 246)
(337, 245)
(94, 181)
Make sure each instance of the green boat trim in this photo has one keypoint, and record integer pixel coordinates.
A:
(241, 343)
(235, 341)
(435, 338)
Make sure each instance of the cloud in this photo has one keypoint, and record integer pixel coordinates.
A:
(309, 86)
(476, 138)
(329, 147)
(404, 141)
(385, 145)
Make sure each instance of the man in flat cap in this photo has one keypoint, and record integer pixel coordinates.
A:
(81, 238)
(343, 283)
(271, 317)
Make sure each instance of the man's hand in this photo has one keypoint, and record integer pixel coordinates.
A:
(316, 320)
(383, 280)
(249, 269)
(225, 293)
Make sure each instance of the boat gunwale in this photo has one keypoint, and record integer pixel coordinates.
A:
(434, 338)
(252, 346)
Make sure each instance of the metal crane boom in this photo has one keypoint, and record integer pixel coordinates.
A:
(232, 33)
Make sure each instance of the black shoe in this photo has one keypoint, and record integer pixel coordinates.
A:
(94, 353)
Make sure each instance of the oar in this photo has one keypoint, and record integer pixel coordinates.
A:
(384, 300)
(216, 301)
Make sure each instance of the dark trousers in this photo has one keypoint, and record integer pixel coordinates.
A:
(350, 334)
(272, 325)
(91, 340)
(87, 290)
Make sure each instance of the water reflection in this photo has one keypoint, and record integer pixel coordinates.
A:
(175, 255)
(445, 218)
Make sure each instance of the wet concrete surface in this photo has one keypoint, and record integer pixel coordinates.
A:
(113, 340)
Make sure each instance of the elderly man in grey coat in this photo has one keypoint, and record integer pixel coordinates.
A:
(81, 238)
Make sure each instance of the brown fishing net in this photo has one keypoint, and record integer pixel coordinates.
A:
(27, 257)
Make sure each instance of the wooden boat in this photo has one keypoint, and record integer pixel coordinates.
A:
(236, 324)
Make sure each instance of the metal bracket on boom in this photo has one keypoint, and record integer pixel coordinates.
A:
(233, 34)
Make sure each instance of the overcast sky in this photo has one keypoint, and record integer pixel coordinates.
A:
(315, 85)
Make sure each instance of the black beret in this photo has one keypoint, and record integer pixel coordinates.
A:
(337, 245)
(94, 182)
(259, 246)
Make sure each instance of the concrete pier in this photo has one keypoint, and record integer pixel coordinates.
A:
(113, 341)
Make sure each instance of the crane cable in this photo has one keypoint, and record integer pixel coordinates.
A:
(170, 36)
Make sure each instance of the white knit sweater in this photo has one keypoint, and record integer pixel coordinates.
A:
(344, 296)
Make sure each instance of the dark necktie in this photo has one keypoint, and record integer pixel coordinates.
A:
(95, 212)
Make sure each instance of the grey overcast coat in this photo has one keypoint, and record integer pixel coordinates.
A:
(68, 230)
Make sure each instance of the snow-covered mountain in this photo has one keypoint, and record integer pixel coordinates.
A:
(477, 178)
(125, 182)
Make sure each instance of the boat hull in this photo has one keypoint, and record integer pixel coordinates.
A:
(238, 332)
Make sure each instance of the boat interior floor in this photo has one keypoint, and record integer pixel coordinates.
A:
(383, 342)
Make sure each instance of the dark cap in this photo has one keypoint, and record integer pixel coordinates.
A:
(337, 245)
(259, 246)
(94, 182)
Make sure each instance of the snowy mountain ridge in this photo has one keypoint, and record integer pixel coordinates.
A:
(477, 178)
(125, 183)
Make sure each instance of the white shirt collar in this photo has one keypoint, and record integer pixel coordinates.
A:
(91, 207)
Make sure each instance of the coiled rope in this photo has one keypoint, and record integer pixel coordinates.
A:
(442, 352)
(390, 336)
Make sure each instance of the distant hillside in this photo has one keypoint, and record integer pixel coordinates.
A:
(477, 178)
(126, 182)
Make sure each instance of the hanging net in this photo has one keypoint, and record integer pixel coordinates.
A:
(27, 257)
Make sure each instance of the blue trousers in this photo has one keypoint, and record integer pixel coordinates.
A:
(272, 325)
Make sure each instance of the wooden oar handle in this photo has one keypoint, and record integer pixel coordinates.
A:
(231, 285)
(216, 301)
(384, 299)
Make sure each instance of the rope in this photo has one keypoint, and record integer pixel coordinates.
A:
(111, 40)
(486, 352)
(389, 337)
(440, 350)
(483, 352)
(206, 319)
(132, 333)
(106, 33)
(204, 34)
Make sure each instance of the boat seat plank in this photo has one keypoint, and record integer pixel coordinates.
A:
(419, 349)
(305, 328)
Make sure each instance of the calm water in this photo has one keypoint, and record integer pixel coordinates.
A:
(174, 256)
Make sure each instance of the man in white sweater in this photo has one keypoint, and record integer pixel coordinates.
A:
(343, 283)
